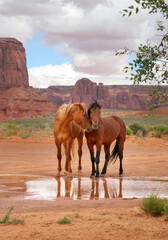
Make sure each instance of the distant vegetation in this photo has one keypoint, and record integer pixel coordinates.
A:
(138, 129)
(42, 126)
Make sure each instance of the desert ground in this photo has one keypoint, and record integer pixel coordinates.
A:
(107, 218)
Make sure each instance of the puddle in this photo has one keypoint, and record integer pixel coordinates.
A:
(83, 188)
(90, 189)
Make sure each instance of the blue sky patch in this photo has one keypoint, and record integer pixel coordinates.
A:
(37, 54)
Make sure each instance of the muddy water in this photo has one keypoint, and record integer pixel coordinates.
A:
(82, 188)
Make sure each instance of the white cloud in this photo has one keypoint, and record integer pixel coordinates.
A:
(48, 75)
(89, 32)
(65, 74)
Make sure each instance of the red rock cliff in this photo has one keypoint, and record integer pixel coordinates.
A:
(115, 97)
(87, 91)
(13, 71)
(17, 99)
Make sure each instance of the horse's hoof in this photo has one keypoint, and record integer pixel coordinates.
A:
(102, 175)
(69, 174)
(64, 173)
(120, 175)
(92, 176)
(57, 174)
(79, 172)
(97, 176)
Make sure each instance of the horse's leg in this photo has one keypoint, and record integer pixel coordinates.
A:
(59, 156)
(80, 143)
(97, 159)
(91, 150)
(66, 161)
(121, 148)
(68, 154)
(107, 156)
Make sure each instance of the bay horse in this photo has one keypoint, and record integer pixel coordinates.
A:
(104, 131)
(69, 123)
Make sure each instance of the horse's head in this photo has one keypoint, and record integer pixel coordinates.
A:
(94, 113)
(78, 110)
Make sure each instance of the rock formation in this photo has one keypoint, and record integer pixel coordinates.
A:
(21, 102)
(17, 99)
(115, 97)
(13, 71)
(127, 97)
(57, 94)
(87, 91)
(124, 97)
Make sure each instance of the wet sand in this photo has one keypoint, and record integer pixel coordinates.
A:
(106, 218)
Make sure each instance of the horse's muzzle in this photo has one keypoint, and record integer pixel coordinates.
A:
(88, 128)
(94, 126)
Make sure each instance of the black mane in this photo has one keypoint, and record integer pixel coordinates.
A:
(93, 105)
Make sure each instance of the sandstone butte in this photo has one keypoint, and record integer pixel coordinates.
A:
(113, 96)
(125, 97)
(17, 98)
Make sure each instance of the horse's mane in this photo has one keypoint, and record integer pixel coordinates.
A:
(65, 108)
(62, 113)
(93, 105)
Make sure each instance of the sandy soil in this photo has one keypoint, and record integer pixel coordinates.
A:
(114, 218)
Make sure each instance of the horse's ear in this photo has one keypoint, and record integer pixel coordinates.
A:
(82, 106)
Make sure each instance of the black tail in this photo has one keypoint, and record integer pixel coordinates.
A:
(115, 153)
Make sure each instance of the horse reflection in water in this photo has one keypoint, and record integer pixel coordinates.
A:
(108, 192)
(66, 188)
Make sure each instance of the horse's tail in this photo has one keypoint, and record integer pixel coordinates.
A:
(115, 153)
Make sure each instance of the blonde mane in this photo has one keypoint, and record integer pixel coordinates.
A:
(62, 113)
(65, 108)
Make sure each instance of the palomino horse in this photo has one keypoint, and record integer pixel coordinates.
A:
(105, 131)
(69, 122)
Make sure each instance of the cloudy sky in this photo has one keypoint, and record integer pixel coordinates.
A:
(66, 40)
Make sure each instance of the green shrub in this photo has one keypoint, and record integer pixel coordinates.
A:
(128, 131)
(135, 127)
(157, 135)
(27, 125)
(12, 133)
(12, 129)
(153, 205)
(24, 136)
(12, 126)
(161, 129)
(6, 220)
(166, 211)
(64, 220)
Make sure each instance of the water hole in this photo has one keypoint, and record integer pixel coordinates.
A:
(82, 188)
